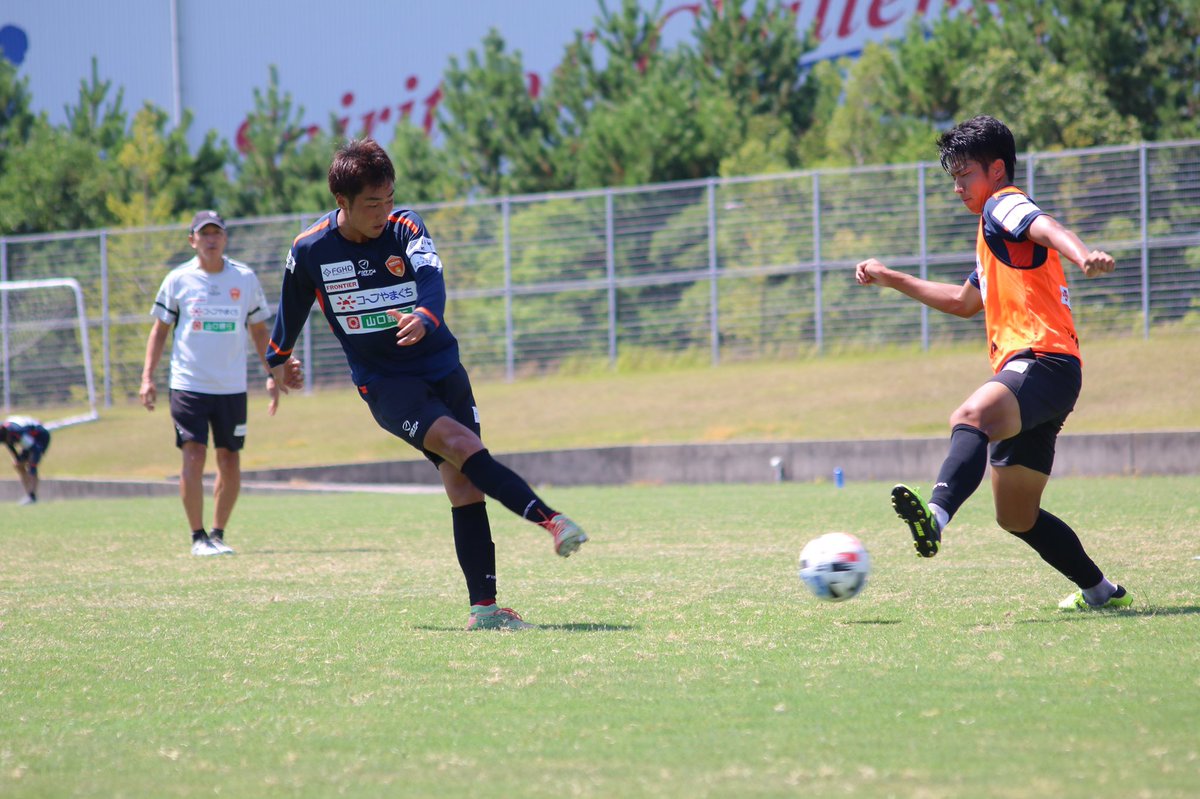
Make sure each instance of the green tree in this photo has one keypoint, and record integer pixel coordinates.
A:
(423, 173)
(285, 168)
(600, 71)
(16, 118)
(53, 181)
(1142, 56)
(1050, 108)
(754, 59)
(94, 118)
(871, 124)
(669, 128)
(496, 135)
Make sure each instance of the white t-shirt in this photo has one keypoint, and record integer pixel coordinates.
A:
(211, 313)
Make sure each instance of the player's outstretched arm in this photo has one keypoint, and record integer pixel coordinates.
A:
(964, 300)
(1049, 232)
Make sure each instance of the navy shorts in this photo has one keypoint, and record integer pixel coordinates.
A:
(32, 455)
(1046, 388)
(193, 413)
(407, 407)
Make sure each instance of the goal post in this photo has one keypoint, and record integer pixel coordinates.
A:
(47, 356)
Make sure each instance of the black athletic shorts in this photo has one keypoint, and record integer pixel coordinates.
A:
(1046, 387)
(406, 407)
(193, 413)
(32, 456)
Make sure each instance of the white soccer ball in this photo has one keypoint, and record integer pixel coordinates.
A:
(835, 566)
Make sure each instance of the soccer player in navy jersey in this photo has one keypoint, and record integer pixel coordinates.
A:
(28, 441)
(375, 273)
(1019, 284)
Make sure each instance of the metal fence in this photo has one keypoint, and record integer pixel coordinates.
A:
(714, 270)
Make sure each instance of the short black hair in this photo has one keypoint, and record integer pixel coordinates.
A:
(982, 139)
(357, 165)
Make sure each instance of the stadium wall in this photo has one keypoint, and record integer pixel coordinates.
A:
(1086, 455)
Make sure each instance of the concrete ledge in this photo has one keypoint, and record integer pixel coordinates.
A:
(1087, 455)
(1091, 455)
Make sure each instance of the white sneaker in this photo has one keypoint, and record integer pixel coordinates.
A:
(27, 500)
(222, 547)
(204, 547)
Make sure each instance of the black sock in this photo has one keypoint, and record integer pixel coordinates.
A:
(475, 550)
(218, 532)
(198, 534)
(506, 486)
(962, 470)
(1056, 542)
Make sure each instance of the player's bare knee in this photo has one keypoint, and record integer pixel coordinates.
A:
(1016, 523)
(968, 414)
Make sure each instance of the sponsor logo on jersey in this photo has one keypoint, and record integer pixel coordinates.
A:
(345, 285)
(410, 428)
(219, 327)
(364, 268)
(223, 312)
(369, 299)
(290, 263)
(1065, 296)
(395, 265)
(338, 271)
(366, 323)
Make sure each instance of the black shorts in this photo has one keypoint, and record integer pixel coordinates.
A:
(407, 407)
(193, 413)
(33, 455)
(1046, 388)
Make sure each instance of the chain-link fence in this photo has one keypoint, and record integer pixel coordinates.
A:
(719, 269)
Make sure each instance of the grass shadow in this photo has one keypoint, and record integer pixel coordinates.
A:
(869, 621)
(584, 627)
(1183, 610)
(331, 551)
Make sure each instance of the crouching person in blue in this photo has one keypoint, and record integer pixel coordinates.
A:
(28, 441)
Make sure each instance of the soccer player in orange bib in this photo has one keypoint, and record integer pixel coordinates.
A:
(1019, 284)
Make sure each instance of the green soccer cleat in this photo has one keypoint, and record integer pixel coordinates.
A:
(490, 617)
(1120, 599)
(915, 513)
(568, 536)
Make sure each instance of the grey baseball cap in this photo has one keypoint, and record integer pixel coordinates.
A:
(203, 218)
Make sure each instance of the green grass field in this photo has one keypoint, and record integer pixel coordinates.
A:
(679, 655)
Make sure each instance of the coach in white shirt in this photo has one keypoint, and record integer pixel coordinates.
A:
(212, 302)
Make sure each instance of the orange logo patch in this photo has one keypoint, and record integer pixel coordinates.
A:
(395, 265)
(235, 293)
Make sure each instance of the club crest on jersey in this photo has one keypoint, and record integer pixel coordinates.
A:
(395, 265)
(235, 292)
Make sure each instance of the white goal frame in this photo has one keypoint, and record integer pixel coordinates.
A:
(81, 315)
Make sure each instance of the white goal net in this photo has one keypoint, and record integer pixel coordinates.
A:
(47, 364)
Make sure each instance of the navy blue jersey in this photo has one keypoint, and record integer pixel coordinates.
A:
(354, 284)
(25, 437)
